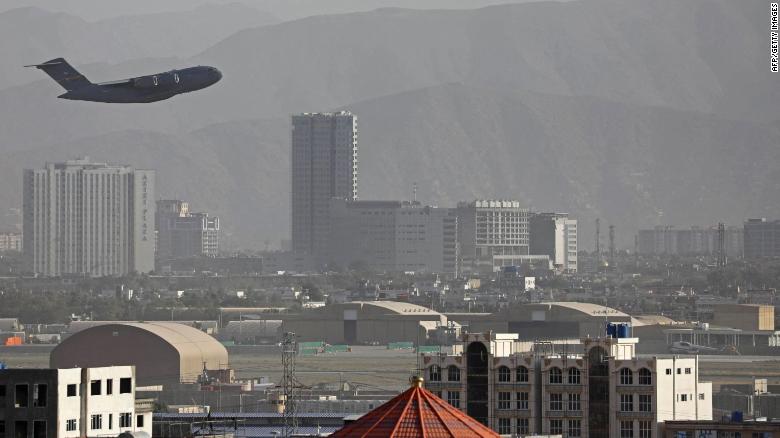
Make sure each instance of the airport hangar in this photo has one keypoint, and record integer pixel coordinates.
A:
(544, 321)
(365, 322)
(162, 352)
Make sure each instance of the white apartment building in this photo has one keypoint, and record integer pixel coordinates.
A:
(70, 403)
(555, 235)
(599, 388)
(491, 234)
(88, 218)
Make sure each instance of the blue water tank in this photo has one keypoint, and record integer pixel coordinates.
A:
(611, 330)
(736, 416)
(622, 331)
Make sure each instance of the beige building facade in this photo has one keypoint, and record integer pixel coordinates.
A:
(599, 388)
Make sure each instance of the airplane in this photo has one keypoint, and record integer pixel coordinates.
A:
(142, 89)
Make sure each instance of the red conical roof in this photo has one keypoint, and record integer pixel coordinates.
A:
(415, 412)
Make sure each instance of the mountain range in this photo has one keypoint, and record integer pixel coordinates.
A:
(638, 112)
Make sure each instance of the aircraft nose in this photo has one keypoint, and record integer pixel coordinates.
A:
(216, 74)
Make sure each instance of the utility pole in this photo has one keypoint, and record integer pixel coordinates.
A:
(598, 237)
(289, 351)
(612, 247)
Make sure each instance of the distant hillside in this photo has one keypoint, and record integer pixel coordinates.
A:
(631, 165)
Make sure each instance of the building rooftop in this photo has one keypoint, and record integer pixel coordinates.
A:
(415, 413)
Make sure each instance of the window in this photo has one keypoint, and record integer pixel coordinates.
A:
(110, 421)
(96, 422)
(126, 419)
(70, 425)
(556, 427)
(556, 375)
(522, 426)
(40, 393)
(556, 402)
(95, 387)
(39, 429)
(21, 397)
(2, 390)
(504, 375)
(453, 373)
(575, 428)
(453, 398)
(2, 428)
(125, 385)
(645, 429)
(434, 373)
(645, 377)
(626, 429)
(645, 402)
(522, 374)
(683, 397)
(668, 371)
(71, 390)
(504, 400)
(687, 371)
(574, 402)
(574, 376)
(626, 402)
(626, 376)
(701, 396)
(20, 428)
(522, 401)
(504, 426)
(139, 421)
(109, 386)
(679, 370)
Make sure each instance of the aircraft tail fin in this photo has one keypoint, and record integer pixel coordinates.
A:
(62, 72)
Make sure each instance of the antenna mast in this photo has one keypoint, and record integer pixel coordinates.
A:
(289, 351)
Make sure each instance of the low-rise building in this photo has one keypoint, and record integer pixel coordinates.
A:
(598, 388)
(72, 402)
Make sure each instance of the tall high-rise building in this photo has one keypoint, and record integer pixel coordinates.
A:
(762, 238)
(183, 234)
(324, 166)
(88, 218)
(555, 235)
(491, 234)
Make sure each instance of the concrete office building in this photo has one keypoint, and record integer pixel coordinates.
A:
(692, 241)
(762, 238)
(70, 403)
(87, 218)
(393, 236)
(599, 388)
(324, 166)
(554, 235)
(491, 234)
(184, 234)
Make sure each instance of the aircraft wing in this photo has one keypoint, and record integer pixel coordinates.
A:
(117, 83)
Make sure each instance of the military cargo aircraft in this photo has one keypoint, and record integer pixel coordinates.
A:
(143, 89)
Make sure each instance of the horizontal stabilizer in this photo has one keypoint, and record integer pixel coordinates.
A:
(62, 72)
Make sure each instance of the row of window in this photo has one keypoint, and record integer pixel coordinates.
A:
(40, 393)
(556, 375)
(96, 421)
(627, 429)
(573, 427)
(627, 402)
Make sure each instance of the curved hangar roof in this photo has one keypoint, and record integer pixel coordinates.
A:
(162, 352)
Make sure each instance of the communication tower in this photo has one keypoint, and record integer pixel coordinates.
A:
(289, 351)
